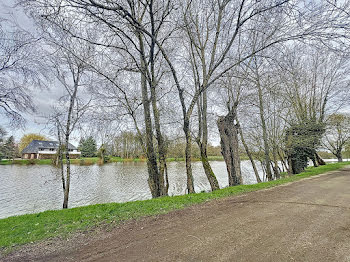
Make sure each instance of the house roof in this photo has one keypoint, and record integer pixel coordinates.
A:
(34, 146)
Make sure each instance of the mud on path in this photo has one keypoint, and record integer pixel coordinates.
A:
(308, 220)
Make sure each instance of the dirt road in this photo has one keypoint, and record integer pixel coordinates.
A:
(307, 220)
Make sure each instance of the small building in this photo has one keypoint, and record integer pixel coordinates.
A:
(46, 150)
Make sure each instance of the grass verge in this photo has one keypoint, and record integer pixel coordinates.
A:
(85, 161)
(31, 228)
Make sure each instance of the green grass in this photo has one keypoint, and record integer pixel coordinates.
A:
(210, 158)
(18, 230)
(26, 162)
(79, 161)
(85, 161)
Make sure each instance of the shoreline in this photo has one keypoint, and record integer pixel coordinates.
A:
(86, 161)
(30, 228)
(95, 160)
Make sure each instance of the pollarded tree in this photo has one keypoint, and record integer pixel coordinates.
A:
(301, 142)
(337, 134)
(218, 36)
(314, 83)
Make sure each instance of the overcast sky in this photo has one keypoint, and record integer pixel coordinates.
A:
(43, 98)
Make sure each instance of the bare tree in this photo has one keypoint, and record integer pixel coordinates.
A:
(314, 87)
(215, 39)
(337, 134)
(235, 95)
(20, 69)
(217, 43)
(69, 59)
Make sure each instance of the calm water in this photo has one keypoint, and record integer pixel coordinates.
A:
(30, 189)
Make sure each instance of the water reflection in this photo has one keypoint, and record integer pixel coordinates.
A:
(28, 189)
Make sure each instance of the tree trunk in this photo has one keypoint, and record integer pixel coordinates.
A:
(160, 140)
(275, 162)
(229, 147)
(290, 166)
(66, 190)
(314, 162)
(67, 135)
(283, 160)
(59, 159)
(190, 185)
(265, 137)
(152, 165)
(214, 184)
(297, 163)
(258, 179)
(319, 160)
(339, 156)
(202, 140)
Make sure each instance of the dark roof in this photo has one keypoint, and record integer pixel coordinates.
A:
(34, 146)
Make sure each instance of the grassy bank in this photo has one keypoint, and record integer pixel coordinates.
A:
(60, 223)
(93, 160)
(79, 161)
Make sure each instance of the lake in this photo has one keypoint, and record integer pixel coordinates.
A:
(36, 188)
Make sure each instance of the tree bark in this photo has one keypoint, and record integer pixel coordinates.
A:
(152, 166)
(190, 185)
(283, 162)
(256, 173)
(339, 155)
(59, 160)
(229, 147)
(319, 160)
(314, 162)
(290, 166)
(202, 140)
(214, 184)
(160, 140)
(67, 135)
(275, 163)
(265, 137)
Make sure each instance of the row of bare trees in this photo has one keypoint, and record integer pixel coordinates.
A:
(249, 71)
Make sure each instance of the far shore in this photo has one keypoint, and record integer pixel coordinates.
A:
(94, 160)
(86, 161)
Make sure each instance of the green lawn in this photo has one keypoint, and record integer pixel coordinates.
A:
(79, 161)
(93, 160)
(23, 229)
(26, 162)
